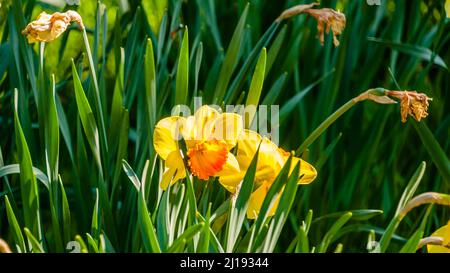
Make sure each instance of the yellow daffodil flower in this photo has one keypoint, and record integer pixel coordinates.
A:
(444, 233)
(48, 27)
(209, 136)
(271, 160)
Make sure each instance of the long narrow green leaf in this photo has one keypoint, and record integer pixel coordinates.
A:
(270, 199)
(148, 233)
(93, 246)
(434, 149)
(28, 185)
(413, 50)
(15, 227)
(411, 188)
(203, 245)
(275, 49)
(15, 169)
(186, 236)
(357, 215)
(149, 237)
(332, 232)
(238, 209)
(95, 226)
(51, 129)
(282, 212)
(52, 134)
(413, 242)
(65, 213)
(87, 118)
(290, 105)
(256, 86)
(182, 83)
(36, 247)
(231, 58)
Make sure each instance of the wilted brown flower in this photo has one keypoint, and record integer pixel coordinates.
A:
(48, 27)
(328, 19)
(411, 103)
(295, 10)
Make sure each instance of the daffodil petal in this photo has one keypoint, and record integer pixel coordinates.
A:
(230, 182)
(231, 166)
(174, 170)
(228, 127)
(307, 172)
(443, 232)
(257, 199)
(166, 135)
(167, 178)
(189, 132)
(231, 173)
(447, 235)
(205, 117)
(248, 143)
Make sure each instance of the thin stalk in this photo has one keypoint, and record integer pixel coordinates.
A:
(377, 95)
(325, 124)
(52, 172)
(41, 55)
(97, 92)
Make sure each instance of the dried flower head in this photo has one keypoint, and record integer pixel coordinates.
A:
(411, 103)
(328, 19)
(48, 27)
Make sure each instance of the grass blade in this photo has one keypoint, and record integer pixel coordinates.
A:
(332, 232)
(434, 149)
(182, 82)
(238, 209)
(87, 118)
(15, 227)
(231, 59)
(256, 86)
(413, 50)
(28, 185)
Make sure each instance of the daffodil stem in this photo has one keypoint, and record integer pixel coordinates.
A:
(325, 124)
(41, 54)
(376, 94)
(44, 100)
(97, 90)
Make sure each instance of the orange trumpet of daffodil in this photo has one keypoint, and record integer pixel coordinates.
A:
(271, 160)
(209, 137)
